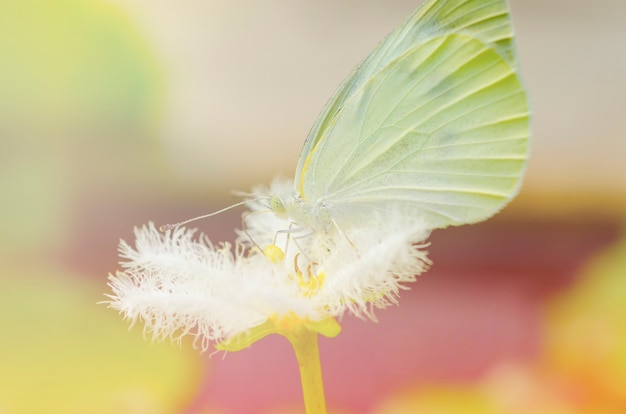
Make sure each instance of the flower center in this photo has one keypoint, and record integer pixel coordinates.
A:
(309, 281)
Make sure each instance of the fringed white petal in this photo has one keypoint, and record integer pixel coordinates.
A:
(370, 268)
(178, 283)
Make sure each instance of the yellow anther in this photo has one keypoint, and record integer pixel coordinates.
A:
(274, 253)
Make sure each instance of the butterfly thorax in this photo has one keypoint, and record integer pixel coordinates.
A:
(302, 215)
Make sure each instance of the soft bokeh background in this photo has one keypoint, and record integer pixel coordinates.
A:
(113, 113)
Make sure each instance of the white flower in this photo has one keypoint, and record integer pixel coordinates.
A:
(179, 283)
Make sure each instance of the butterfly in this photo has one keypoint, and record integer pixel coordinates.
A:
(435, 121)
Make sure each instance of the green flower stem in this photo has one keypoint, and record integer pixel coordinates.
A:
(302, 334)
(304, 343)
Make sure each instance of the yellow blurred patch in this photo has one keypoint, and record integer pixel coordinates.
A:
(61, 352)
(444, 399)
(72, 61)
(586, 329)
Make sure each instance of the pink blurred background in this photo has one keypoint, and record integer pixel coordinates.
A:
(114, 113)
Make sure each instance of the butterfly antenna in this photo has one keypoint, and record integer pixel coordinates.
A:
(166, 227)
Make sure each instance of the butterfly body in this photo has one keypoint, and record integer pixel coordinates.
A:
(305, 216)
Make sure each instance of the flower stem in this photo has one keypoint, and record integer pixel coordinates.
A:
(304, 343)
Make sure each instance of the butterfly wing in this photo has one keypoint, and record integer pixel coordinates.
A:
(435, 120)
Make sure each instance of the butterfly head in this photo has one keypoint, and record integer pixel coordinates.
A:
(277, 205)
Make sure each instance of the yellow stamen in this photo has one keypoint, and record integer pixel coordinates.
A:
(311, 284)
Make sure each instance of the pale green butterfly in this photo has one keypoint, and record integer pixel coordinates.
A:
(434, 121)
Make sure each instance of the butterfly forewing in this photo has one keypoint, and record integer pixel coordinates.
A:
(436, 123)
(487, 20)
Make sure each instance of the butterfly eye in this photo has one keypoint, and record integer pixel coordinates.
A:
(277, 205)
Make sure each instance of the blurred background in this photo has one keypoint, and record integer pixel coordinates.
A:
(114, 113)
